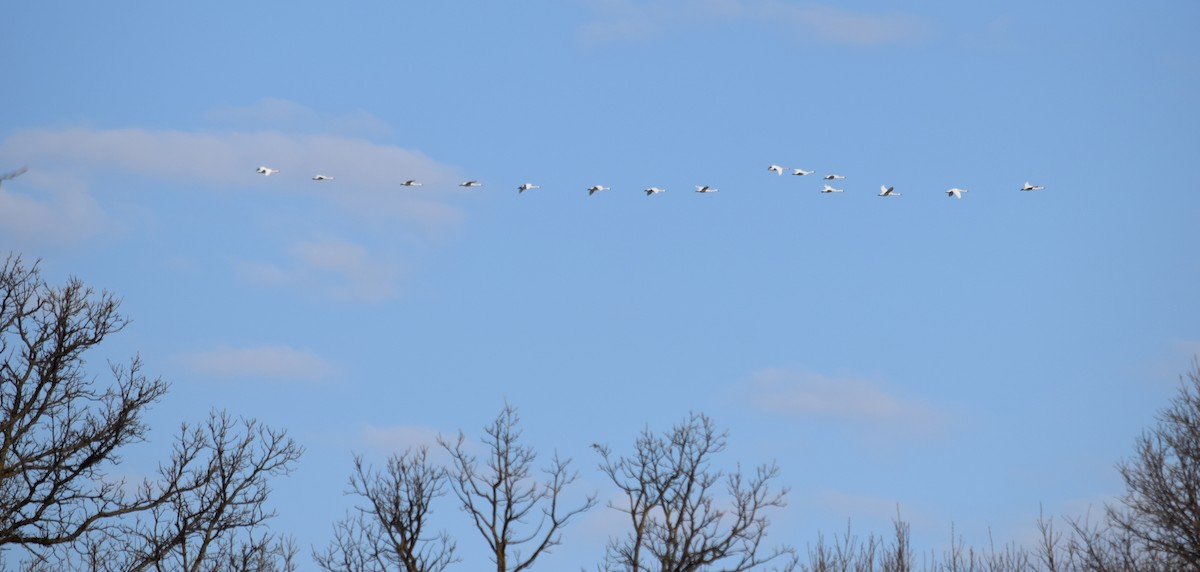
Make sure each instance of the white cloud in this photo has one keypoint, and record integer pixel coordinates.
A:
(813, 395)
(281, 114)
(1189, 348)
(838, 25)
(625, 20)
(400, 437)
(860, 505)
(55, 197)
(226, 159)
(333, 267)
(276, 362)
(42, 208)
(616, 21)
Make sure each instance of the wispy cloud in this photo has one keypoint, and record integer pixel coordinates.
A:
(400, 437)
(225, 159)
(805, 395)
(617, 21)
(299, 142)
(860, 506)
(271, 362)
(1189, 348)
(848, 27)
(333, 267)
(288, 116)
(47, 209)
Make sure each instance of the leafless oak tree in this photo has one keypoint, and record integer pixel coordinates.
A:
(677, 522)
(503, 496)
(389, 533)
(1162, 501)
(60, 432)
(213, 510)
(61, 435)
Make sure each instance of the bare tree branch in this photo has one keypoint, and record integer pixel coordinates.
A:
(59, 433)
(670, 497)
(503, 497)
(389, 532)
(1162, 499)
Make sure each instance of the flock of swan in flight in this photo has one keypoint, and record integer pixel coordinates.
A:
(884, 190)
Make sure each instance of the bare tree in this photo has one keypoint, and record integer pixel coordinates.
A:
(677, 523)
(503, 496)
(213, 510)
(389, 533)
(1162, 500)
(59, 432)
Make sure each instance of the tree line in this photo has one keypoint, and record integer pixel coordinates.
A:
(64, 507)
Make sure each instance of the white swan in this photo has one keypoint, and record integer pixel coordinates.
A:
(1030, 187)
(470, 184)
(833, 177)
(801, 172)
(778, 170)
(829, 189)
(956, 192)
(411, 183)
(654, 191)
(526, 187)
(705, 189)
(322, 178)
(885, 191)
(266, 172)
(592, 190)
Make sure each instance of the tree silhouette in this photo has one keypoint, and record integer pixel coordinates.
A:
(503, 496)
(670, 497)
(389, 533)
(1161, 505)
(60, 432)
(61, 435)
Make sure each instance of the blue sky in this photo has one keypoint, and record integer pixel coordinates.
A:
(966, 360)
